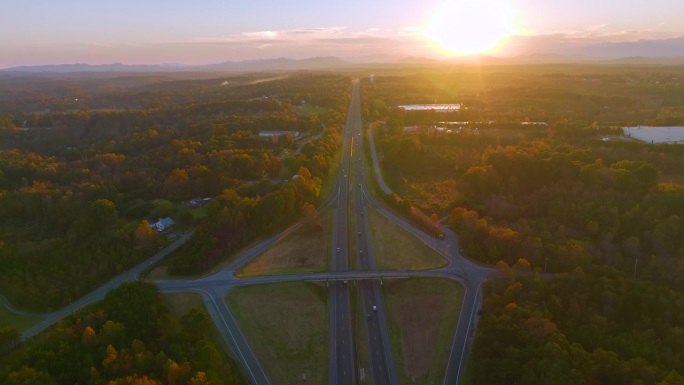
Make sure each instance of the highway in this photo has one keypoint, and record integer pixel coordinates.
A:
(343, 364)
(381, 365)
(341, 369)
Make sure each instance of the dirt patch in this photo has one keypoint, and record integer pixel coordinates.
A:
(287, 324)
(181, 303)
(306, 250)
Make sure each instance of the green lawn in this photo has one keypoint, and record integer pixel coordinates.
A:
(287, 325)
(308, 110)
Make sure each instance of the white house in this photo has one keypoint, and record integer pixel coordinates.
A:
(163, 224)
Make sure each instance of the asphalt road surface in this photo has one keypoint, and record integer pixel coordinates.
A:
(341, 368)
(381, 365)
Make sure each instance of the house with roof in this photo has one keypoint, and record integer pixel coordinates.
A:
(163, 224)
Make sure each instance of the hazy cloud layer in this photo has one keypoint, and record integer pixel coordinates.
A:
(341, 41)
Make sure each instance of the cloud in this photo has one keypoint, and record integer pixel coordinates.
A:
(334, 35)
(260, 34)
(328, 40)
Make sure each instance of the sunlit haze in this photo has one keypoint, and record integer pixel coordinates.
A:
(469, 27)
(176, 31)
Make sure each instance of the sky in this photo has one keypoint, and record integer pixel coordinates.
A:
(37, 32)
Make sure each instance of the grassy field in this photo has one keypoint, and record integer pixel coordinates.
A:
(423, 313)
(287, 325)
(306, 250)
(308, 110)
(394, 248)
(20, 322)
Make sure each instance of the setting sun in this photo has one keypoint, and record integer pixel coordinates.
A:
(469, 27)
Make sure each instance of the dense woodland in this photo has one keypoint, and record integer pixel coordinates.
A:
(79, 187)
(585, 328)
(572, 197)
(128, 338)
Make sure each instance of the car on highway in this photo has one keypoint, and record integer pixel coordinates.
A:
(338, 249)
(375, 308)
(368, 316)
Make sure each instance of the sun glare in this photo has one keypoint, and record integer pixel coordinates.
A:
(464, 27)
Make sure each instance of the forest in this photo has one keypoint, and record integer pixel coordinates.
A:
(130, 337)
(585, 223)
(584, 328)
(79, 185)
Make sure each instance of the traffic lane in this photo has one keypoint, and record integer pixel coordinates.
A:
(377, 350)
(465, 328)
(457, 275)
(382, 319)
(342, 358)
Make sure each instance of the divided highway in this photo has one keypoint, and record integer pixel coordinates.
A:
(344, 366)
(382, 368)
(341, 369)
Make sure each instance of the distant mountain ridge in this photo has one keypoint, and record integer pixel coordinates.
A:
(662, 48)
(82, 67)
(662, 51)
(315, 63)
